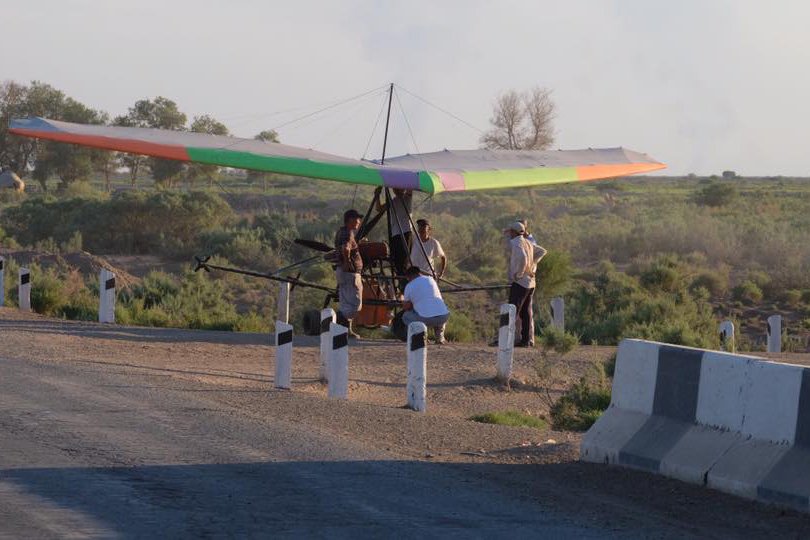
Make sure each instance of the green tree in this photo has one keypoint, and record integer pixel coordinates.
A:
(16, 153)
(160, 113)
(133, 162)
(198, 171)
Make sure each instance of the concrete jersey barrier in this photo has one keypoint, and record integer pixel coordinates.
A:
(735, 423)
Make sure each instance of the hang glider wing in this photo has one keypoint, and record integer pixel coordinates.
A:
(449, 170)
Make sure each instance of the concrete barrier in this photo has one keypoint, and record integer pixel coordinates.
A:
(339, 362)
(2, 281)
(327, 318)
(506, 341)
(106, 297)
(774, 337)
(736, 423)
(416, 387)
(727, 341)
(558, 313)
(284, 338)
(283, 314)
(24, 290)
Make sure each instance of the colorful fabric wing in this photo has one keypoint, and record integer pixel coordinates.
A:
(450, 170)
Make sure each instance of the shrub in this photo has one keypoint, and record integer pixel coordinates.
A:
(713, 282)
(47, 292)
(558, 340)
(580, 405)
(716, 194)
(747, 292)
(460, 328)
(792, 297)
(510, 418)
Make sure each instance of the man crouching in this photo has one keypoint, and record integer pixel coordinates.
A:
(350, 286)
(423, 302)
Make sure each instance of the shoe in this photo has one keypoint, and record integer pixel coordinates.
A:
(440, 340)
(493, 343)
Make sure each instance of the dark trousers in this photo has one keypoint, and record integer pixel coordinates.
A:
(400, 250)
(521, 298)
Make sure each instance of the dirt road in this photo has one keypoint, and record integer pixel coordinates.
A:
(111, 432)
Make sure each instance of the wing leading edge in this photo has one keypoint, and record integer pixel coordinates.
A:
(450, 170)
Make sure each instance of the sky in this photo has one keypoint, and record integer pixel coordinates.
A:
(704, 86)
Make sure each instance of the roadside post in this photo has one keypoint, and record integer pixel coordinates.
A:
(727, 342)
(2, 280)
(284, 302)
(506, 342)
(339, 362)
(775, 333)
(24, 289)
(417, 367)
(284, 337)
(327, 318)
(558, 313)
(106, 297)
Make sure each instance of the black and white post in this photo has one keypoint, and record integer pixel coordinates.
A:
(284, 338)
(774, 333)
(506, 342)
(2, 281)
(327, 318)
(339, 362)
(727, 337)
(416, 386)
(283, 302)
(558, 313)
(106, 294)
(24, 289)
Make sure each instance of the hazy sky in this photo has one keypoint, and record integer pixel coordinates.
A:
(701, 85)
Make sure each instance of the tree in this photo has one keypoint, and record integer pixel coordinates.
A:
(205, 124)
(254, 177)
(70, 163)
(521, 121)
(160, 113)
(133, 162)
(16, 153)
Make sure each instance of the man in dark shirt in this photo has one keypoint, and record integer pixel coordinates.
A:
(350, 286)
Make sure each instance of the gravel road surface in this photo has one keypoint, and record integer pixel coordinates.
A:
(95, 444)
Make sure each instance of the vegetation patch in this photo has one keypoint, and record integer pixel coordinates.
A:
(510, 418)
(580, 405)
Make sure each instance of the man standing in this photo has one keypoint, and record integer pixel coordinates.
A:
(432, 248)
(423, 302)
(523, 259)
(350, 264)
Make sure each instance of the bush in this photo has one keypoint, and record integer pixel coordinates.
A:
(716, 194)
(580, 405)
(713, 282)
(561, 342)
(47, 292)
(792, 297)
(747, 292)
(460, 328)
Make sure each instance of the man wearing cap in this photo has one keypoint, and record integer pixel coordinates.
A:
(349, 266)
(523, 259)
(432, 248)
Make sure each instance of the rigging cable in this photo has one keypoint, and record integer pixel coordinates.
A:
(374, 130)
(448, 113)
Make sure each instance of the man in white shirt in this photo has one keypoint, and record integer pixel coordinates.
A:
(433, 249)
(523, 259)
(423, 302)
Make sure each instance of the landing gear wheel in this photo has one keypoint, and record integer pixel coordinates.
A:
(312, 322)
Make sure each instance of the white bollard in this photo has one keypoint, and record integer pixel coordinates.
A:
(727, 337)
(24, 289)
(106, 297)
(506, 342)
(284, 302)
(339, 362)
(416, 386)
(2, 281)
(558, 313)
(327, 318)
(284, 337)
(774, 333)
